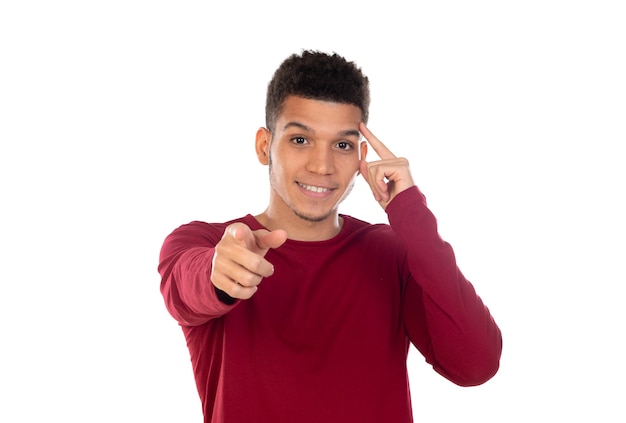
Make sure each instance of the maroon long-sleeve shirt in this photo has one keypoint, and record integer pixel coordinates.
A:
(326, 337)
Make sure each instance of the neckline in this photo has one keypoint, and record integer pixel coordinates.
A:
(254, 224)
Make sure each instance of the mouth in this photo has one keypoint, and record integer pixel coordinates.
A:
(313, 188)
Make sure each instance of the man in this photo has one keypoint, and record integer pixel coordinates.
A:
(302, 314)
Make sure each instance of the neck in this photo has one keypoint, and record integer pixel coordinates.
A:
(301, 229)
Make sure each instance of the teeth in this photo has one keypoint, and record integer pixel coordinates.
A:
(314, 189)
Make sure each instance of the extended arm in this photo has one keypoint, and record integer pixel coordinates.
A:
(205, 271)
(185, 267)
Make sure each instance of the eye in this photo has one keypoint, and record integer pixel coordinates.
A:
(299, 140)
(344, 145)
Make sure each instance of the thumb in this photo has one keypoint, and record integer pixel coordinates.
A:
(273, 239)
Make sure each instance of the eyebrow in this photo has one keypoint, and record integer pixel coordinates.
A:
(345, 133)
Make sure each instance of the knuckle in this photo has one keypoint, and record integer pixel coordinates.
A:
(220, 248)
(256, 263)
(241, 292)
(233, 290)
(218, 281)
(249, 280)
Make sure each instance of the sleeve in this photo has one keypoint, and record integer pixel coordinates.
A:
(443, 316)
(185, 268)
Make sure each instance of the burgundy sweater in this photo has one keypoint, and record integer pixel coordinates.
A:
(326, 337)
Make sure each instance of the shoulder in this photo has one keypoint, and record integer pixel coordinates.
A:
(199, 233)
(371, 243)
(199, 229)
(371, 231)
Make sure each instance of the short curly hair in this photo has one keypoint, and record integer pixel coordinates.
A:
(319, 76)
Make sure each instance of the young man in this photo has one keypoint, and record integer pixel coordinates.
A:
(302, 314)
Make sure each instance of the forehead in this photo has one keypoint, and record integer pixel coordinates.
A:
(318, 115)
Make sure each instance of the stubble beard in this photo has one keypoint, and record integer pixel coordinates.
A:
(299, 214)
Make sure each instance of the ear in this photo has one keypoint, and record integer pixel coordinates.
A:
(362, 155)
(363, 150)
(262, 144)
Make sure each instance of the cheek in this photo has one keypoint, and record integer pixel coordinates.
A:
(277, 171)
(286, 164)
(351, 165)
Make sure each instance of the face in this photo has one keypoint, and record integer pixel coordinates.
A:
(313, 157)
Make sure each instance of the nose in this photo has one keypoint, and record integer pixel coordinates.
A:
(321, 161)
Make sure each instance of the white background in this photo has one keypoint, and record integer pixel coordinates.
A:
(121, 120)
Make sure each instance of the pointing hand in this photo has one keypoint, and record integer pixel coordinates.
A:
(239, 265)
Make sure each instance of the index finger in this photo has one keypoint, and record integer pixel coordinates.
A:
(380, 148)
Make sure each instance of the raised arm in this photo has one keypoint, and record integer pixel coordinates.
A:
(442, 313)
(444, 317)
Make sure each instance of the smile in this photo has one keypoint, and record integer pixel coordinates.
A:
(313, 188)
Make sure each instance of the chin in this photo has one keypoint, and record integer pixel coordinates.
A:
(312, 217)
